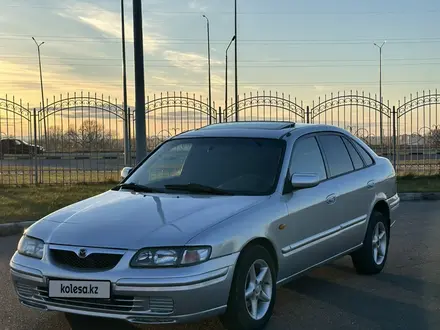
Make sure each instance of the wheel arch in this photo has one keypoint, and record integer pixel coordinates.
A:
(383, 208)
(267, 244)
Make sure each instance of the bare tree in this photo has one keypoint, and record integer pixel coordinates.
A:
(434, 137)
(90, 136)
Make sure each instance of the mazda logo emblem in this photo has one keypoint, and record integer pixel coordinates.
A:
(82, 253)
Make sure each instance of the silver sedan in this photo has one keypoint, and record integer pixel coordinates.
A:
(210, 223)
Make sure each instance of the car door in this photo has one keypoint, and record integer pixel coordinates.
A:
(313, 213)
(346, 171)
(16, 147)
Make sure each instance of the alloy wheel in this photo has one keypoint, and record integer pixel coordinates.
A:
(258, 289)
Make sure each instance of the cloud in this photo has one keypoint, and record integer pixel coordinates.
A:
(109, 23)
(188, 61)
(165, 80)
(24, 82)
(197, 5)
(323, 88)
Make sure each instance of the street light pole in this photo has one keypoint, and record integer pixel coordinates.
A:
(41, 84)
(127, 151)
(380, 92)
(226, 78)
(141, 133)
(209, 71)
(236, 69)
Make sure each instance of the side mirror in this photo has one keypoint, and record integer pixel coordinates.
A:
(125, 172)
(305, 180)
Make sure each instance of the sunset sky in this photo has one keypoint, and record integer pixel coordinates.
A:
(303, 48)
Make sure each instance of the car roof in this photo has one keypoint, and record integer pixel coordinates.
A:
(255, 129)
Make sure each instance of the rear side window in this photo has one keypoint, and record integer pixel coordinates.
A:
(338, 159)
(307, 158)
(357, 160)
(365, 155)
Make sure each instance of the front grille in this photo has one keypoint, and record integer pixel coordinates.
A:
(114, 304)
(101, 261)
(163, 305)
(117, 303)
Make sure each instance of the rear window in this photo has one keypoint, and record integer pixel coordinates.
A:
(365, 155)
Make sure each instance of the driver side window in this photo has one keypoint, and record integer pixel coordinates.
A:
(307, 158)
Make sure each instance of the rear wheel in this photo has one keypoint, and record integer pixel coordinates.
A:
(253, 291)
(371, 258)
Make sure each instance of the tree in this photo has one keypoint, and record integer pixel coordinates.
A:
(90, 136)
(434, 136)
(55, 139)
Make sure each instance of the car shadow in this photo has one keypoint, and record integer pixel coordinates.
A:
(386, 313)
(405, 282)
(80, 322)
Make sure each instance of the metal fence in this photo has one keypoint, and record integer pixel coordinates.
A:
(80, 137)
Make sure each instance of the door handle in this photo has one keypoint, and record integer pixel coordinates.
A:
(370, 184)
(331, 199)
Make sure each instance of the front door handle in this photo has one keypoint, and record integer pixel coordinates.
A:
(370, 184)
(331, 199)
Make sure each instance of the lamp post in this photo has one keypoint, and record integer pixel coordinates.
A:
(236, 69)
(41, 85)
(226, 77)
(127, 151)
(209, 70)
(380, 91)
(141, 133)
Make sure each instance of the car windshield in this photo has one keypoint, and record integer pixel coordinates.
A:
(239, 166)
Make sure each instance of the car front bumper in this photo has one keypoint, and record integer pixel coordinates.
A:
(146, 296)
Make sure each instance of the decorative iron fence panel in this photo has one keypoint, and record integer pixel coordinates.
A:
(83, 141)
(418, 134)
(81, 137)
(168, 114)
(266, 106)
(16, 137)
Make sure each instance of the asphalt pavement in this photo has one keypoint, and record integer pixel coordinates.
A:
(406, 295)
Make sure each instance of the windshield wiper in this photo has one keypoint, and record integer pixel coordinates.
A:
(198, 188)
(136, 187)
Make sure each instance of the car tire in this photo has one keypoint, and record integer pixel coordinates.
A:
(371, 258)
(254, 312)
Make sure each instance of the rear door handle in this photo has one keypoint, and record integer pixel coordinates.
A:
(331, 199)
(370, 184)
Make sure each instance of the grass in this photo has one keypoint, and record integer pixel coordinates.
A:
(414, 183)
(19, 203)
(34, 202)
(25, 175)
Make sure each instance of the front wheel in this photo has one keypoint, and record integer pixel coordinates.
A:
(371, 258)
(253, 291)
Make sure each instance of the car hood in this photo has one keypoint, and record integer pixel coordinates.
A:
(129, 220)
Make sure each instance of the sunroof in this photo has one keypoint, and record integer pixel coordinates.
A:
(276, 125)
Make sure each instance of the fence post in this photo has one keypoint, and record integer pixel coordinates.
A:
(307, 115)
(394, 138)
(219, 114)
(126, 136)
(35, 143)
(129, 135)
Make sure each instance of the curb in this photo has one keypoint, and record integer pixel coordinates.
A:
(9, 229)
(422, 196)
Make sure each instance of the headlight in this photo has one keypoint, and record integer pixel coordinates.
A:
(31, 247)
(169, 257)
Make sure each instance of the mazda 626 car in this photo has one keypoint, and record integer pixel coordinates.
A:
(210, 223)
